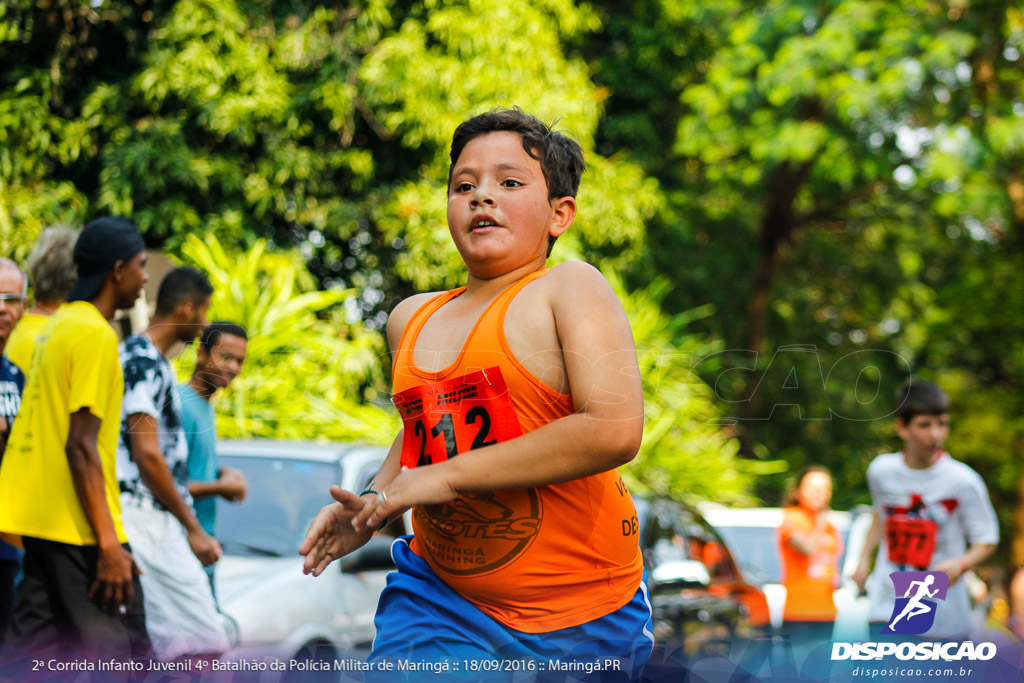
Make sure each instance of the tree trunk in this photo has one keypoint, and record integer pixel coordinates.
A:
(778, 224)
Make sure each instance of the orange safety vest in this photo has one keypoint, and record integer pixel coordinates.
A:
(537, 559)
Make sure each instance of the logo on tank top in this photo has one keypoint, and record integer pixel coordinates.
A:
(478, 534)
(473, 534)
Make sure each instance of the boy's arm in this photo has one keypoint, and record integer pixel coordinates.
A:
(979, 520)
(603, 433)
(114, 565)
(874, 535)
(145, 449)
(955, 567)
(332, 533)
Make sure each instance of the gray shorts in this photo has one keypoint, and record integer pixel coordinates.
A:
(181, 614)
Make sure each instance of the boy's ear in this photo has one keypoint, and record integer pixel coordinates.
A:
(562, 216)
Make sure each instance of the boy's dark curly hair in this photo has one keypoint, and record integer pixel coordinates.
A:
(560, 157)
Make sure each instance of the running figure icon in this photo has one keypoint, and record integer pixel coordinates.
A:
(915, 607)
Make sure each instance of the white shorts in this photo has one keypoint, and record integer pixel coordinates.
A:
(181, 614)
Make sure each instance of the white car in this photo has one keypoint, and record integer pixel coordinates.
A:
(281, 613)
(751, 533)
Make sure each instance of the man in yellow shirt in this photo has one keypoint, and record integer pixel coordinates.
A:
(51, 270)
(80, 596)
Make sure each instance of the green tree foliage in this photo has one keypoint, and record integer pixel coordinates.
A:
(318, 126)
(264, 125)
(305, 376)
(54, 101)
(686, 452)
(460, 59)
(843, 183)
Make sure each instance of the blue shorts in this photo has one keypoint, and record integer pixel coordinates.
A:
(423, 625)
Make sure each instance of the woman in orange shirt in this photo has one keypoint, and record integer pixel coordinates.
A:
(809, 547)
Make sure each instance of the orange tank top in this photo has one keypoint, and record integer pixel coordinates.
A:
(809, 579)
(536, 559)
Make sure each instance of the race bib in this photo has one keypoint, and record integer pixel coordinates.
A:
(911, 540)
(444, 419)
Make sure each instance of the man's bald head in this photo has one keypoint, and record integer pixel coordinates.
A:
(13, 288)
(7, 265)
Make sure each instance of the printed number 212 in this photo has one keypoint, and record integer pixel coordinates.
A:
(446, 427)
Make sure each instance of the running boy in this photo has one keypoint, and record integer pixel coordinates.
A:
(526, 548)
(934, 511)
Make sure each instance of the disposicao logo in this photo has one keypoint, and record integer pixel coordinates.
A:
(917, 596)
(914, 613)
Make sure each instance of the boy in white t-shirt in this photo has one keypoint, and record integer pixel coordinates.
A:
(933, 512)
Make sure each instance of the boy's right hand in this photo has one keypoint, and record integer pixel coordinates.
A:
(331, 534)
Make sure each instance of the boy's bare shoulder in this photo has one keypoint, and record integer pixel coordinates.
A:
(581, 302)
(578, 273)
(576, 281)
(402, 313)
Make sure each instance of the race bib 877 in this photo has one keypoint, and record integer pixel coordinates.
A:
(445, 419)
(911, 540)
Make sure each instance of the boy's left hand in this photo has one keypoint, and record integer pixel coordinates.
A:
(950, 568)
(427, 485)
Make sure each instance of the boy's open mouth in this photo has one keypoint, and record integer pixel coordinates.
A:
(482, 222)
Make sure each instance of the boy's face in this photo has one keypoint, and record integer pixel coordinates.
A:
(224, 361)
(498, 209)
(924, 435)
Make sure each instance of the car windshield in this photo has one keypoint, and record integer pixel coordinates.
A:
(756, 549)
(671, 532)
(284, 495)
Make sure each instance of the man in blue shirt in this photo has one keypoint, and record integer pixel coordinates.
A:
(12, 382)
(219, 359)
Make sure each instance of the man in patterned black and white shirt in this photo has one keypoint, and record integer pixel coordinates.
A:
(169, 544)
